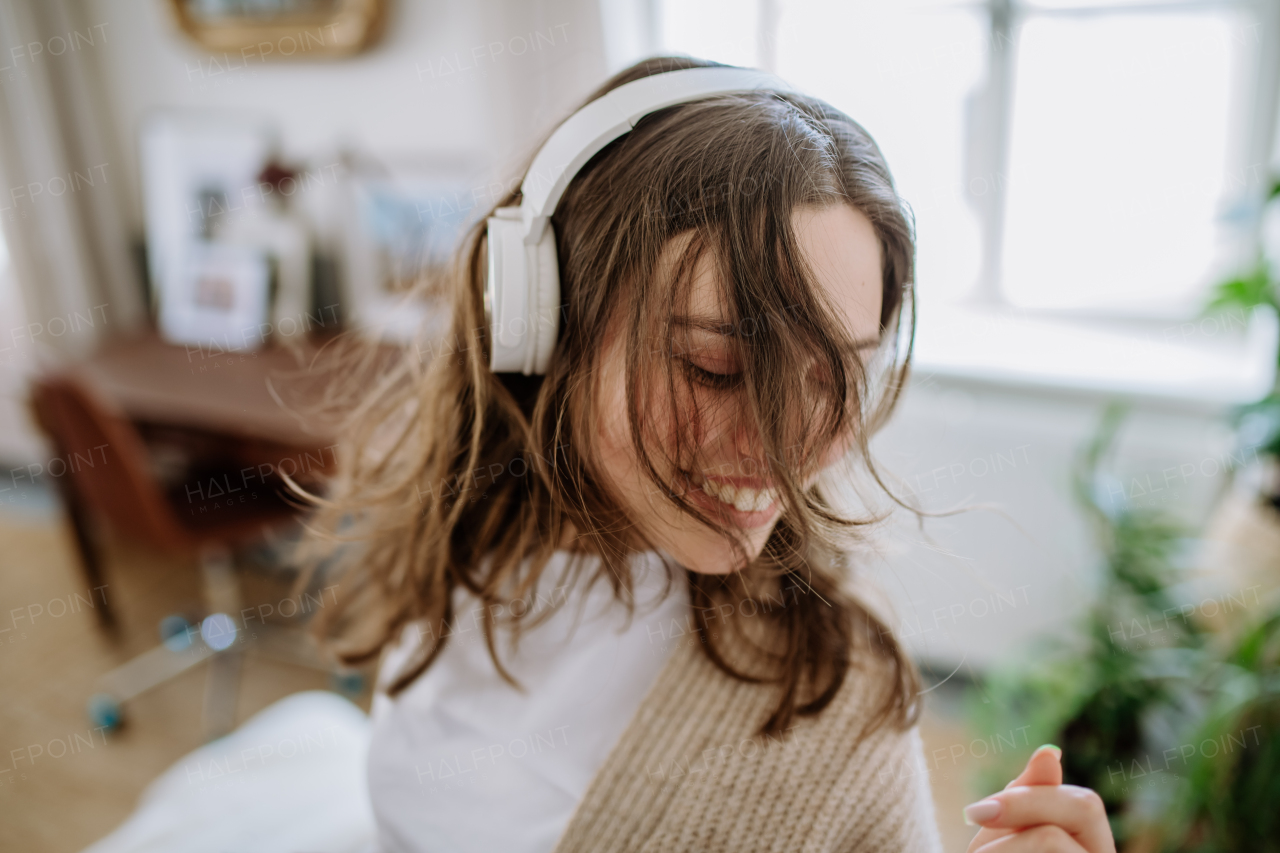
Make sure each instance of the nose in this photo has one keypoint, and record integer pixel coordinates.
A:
(747, 444)
(742, 437)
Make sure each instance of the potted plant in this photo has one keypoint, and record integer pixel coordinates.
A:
(1113, 699)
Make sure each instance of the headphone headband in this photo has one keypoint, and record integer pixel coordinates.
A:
(522, 291)
(606, 118)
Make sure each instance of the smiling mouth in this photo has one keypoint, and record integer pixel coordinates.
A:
(741, 498)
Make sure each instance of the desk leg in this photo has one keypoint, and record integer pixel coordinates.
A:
(90, 562)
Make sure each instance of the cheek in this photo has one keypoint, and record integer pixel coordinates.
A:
(671, 427)
(616, 452)
(679, 420)
(624, 470)
(833, 454)
(664, 425)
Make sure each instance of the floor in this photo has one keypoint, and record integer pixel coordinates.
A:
(59, 800)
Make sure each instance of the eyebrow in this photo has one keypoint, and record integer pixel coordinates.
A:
(724, 328)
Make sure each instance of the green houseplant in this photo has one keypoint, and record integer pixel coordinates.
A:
(1097, 698)
(1257, 286)
(1228, 798)
(1177, 729)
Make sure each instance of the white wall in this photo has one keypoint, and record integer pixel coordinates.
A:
(983, 585)
(444, 81)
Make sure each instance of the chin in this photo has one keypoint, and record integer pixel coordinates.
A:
(711, 554)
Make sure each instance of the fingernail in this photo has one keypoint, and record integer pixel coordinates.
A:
(1052, 746)
(981, 812)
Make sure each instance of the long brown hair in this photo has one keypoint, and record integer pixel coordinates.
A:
(454, 476)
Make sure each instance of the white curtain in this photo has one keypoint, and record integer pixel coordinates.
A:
(61, 184)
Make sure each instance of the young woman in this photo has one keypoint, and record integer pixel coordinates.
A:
(610, 601)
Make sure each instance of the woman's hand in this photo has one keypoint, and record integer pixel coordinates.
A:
(1036, 813)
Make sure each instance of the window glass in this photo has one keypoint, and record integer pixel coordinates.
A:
(1119, 172)
(1117, 159)
(903, 73)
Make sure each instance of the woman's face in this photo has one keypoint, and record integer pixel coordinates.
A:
(726, 481)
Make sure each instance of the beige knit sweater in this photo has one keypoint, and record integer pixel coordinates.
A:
(690, 774)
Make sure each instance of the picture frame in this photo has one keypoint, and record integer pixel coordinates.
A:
(222, 300)
(403, 223)
(281, 30)
(197, 171)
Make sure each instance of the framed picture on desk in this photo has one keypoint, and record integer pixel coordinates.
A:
(221, 300)
(402, 224)
(198, 172)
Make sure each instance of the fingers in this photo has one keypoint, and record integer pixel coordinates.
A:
(1041, 839)
(986, 836)
(1077, 811)
(1043, 768)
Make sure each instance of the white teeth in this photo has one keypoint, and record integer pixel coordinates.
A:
(741, 498)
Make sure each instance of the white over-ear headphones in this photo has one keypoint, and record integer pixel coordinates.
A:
(522, 292)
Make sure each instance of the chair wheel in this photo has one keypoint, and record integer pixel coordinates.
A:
(105, 711)
(176, 632)
(218, 631)
(347, 683)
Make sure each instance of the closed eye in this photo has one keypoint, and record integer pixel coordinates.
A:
(718, 381)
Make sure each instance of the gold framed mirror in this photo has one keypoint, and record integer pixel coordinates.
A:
(270, 30)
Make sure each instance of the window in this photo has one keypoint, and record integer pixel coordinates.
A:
(1099, 158)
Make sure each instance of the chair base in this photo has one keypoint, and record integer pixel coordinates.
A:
(216, 639)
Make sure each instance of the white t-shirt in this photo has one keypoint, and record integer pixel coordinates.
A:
(462, 761)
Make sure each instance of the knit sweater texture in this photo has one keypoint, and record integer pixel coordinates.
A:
(691, 772)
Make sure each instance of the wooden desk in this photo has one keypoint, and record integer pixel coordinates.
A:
(262, 395)
(179, 424)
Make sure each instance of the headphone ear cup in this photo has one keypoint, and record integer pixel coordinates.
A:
(506, 294)
(545, 297)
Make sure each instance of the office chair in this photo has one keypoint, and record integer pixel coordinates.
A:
(166, 488)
